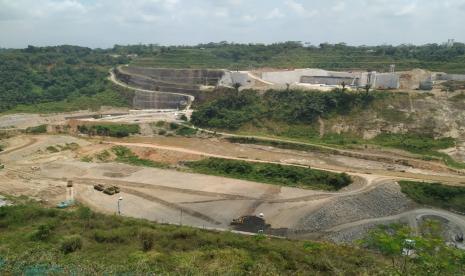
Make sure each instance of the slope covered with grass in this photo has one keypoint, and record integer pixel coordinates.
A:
(35, 240)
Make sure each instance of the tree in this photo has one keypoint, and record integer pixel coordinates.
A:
(430, 256)
(367, 88)
(237, 86)
(343, 84)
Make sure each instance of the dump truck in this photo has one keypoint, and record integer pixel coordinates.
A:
(111, 190)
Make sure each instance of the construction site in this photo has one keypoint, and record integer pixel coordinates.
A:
(176, 196)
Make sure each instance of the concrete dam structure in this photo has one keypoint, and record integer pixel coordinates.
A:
(167, 88)
(163, 88)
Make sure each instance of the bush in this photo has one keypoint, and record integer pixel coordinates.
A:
(86, 159)
(125, 155)
(146, 239)
(186, 131)
(52, 149)
(37, 129)
(103, 156)
(162, 132)
(435, 194)
(112, 236)
(118, 131)
(71, 244)
(160, 124)
(174, 126)
(272, 173)
(42, 233)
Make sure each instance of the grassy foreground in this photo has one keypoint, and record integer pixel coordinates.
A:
(435, 194)
(272, 173)
(35, 240)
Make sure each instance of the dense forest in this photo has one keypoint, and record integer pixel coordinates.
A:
(53, 74)
(64, 78)
(288, 106)
(437, 57)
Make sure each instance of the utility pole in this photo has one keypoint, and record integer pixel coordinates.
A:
(119, 205)
(180, 218)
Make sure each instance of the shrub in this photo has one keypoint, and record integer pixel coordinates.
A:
(146, 239)
(52, 149)
(112, 236)
(103, 156)
(37, 129)
(272, 173)
(174, 126)
(125, 155)
(186, 131)
(162, 132)
(118, 131)
(87, 159)
(160, 124)
(71, 244)
(42, 233)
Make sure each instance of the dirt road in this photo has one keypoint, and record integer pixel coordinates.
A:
(171, 196)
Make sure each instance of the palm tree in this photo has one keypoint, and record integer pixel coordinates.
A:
(343, 84)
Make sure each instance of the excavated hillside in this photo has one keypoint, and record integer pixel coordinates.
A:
(439, 114)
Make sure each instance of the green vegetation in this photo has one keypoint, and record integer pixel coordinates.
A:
(296, 55)
(112, 130)
(54, 79)
(293, 114)
(186, 131)
(103, 156)
(52, 149)
(420, 144)
(432, 256)
(125, 155)
(416, 143)
(272, 173)
(106, 98)
(435, 194)
(238, 109)
(80, 242)
(37, 129)
(279, 144)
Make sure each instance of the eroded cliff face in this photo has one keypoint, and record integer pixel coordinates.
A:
(439, 114)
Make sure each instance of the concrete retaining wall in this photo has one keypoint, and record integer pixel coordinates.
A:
(230, 78)
(328, 80)
(154, 100)
(455, 77)
(386, 81)
(283, 77)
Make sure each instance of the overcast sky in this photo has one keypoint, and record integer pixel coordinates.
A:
(103, 23)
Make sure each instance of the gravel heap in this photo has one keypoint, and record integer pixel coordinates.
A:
(384, 200)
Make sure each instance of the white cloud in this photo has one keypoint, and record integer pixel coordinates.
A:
(299, 9)
(406, 10)
(339, 6)
(105, 22)
(274, 14)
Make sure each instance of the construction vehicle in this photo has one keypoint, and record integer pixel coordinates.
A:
(111, 190)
